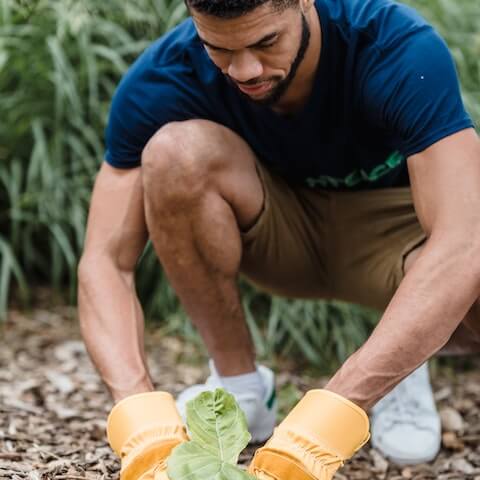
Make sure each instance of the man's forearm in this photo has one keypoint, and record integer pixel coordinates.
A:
(111, 321)
(430, 303)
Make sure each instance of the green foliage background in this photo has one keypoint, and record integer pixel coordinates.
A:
(59, 64)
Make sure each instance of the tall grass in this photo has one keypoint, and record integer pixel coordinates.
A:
(59, 64)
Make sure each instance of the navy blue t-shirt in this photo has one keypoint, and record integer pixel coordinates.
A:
(386, 88)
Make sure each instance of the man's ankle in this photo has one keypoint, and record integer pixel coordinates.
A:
(234, 364)
(247, 382)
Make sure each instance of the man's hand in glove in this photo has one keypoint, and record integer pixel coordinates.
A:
(143, 430)
(315, 439)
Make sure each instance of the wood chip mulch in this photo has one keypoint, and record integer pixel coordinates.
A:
(53, 406)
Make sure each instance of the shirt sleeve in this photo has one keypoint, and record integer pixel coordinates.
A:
(146, 99)
(413, 92)
(129, 127)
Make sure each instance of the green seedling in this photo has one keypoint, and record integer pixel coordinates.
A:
(218, 432)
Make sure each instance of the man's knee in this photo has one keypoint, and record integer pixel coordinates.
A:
(185, 158)
(184, 161)
(175, 163)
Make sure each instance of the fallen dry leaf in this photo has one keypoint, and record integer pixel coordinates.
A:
(452, 421)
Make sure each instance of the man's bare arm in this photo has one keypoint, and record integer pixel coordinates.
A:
(441, 285)
(111, 317)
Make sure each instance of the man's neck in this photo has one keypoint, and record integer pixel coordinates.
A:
(301, 88)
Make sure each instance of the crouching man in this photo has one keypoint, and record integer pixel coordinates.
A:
(321, 149)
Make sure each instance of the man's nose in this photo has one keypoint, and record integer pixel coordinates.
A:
(244, 66)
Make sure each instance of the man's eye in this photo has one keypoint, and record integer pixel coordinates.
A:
(217, 50)
(264, 46)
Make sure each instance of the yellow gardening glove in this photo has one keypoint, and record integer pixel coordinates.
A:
(315, 439)
(143, 430)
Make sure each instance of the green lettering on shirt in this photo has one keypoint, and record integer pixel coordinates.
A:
(359, 175)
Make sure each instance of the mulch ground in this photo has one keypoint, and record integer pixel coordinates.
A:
(53, 407)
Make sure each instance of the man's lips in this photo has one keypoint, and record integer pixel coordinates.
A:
(257, 89)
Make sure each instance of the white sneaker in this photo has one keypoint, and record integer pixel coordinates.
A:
(405, 424)
(261, 413)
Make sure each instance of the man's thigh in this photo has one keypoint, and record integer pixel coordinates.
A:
(321, 244)
(284, 251)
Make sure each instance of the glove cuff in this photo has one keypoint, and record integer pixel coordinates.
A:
(142, 430)
(330, 420)
(137, 414)
(315, 439)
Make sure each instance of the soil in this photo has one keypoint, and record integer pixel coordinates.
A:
(53, 406)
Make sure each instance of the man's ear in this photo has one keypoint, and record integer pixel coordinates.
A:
(306, 5)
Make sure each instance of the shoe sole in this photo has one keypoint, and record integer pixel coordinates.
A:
(402, 462)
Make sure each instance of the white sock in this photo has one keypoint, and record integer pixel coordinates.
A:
(247, 382)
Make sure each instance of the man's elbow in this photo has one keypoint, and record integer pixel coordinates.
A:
(469, 246)
(87, 269)
(96, 269)
(461, 246)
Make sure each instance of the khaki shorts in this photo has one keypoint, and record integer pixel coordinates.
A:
(348, 245)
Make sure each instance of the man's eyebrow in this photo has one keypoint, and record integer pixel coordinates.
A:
(265, 39)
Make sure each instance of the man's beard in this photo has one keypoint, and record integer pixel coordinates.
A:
(282, 84)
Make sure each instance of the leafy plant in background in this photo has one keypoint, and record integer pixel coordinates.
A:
(219, 433)
(59, 64)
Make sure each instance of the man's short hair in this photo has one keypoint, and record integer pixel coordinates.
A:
(234, 8)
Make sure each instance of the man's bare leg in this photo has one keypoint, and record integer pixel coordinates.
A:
(201, 189)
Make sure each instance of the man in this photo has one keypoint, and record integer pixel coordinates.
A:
(321, 148)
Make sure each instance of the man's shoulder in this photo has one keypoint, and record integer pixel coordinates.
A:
(170, 72)
(383, 23)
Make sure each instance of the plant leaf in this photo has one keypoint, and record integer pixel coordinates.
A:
(191, 461)
(219, 433)
(218, 424)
